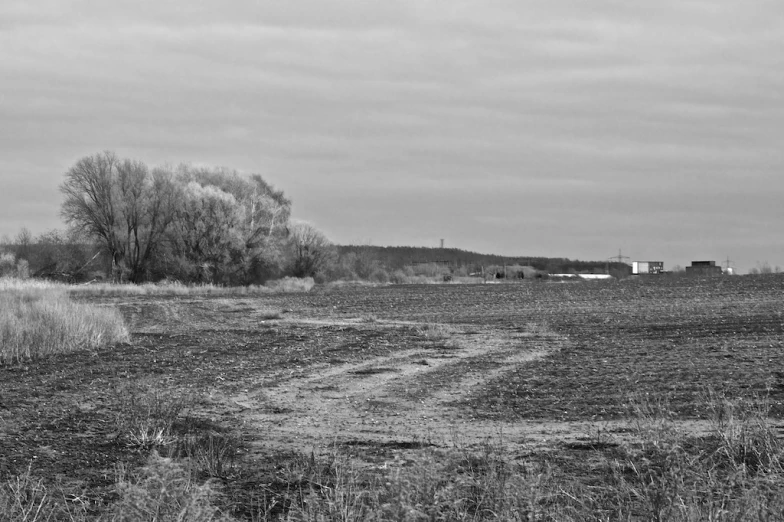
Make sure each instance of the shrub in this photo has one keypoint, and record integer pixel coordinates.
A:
(379, 275)
(398, 277)
(292, 284)
(10, 267)
(164, 491)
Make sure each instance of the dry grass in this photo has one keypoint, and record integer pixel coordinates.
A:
(25, 498)
(38, 320)
(736, 472)
(290, 285)
(164, 490)
(285, 285)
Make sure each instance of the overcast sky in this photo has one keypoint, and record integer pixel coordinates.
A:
(561, 128)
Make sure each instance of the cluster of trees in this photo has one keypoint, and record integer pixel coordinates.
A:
(54, 254)
(134, 223)
(184, 223)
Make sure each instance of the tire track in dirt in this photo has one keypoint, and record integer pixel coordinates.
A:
(406, 397)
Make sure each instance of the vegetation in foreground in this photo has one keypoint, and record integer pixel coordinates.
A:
(178, 465)
(734, 473)
(37, 322)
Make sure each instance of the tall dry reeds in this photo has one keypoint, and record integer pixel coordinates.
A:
(39, 319)
(102, 289)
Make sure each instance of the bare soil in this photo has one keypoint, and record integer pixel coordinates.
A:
(388, 371)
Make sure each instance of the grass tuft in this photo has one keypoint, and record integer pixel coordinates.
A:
(148, 415)
(163, 490)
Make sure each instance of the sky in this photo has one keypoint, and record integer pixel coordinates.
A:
(559, 128)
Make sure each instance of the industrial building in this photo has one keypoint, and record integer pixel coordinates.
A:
(647, 267)
(703, 268)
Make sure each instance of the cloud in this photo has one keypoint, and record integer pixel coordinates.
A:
(466, 113)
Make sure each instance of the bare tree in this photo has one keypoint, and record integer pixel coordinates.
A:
(146, 204)
(23, 244)
(122, 205)
(312, 251)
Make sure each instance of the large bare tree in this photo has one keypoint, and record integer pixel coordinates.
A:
(121, 204)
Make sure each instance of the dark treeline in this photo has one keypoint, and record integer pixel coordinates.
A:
(400, 257)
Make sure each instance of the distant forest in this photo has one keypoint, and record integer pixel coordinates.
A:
(400, 257)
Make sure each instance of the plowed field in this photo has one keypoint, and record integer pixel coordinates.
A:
(400, 367)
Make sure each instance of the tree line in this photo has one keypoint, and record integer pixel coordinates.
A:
(400, 257)
(129, 222)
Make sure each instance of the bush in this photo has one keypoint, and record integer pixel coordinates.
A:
(398, 277)
(291, 284)
(379, 275)
(10, 267)
(164, 491)
(7, 265)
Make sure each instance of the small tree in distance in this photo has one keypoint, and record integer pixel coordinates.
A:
(312, 253)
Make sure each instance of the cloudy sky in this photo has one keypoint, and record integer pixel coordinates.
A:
(556, 127)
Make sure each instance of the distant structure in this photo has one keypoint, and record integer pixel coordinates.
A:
(703, 268)
(618, 259)
(647, 267)
(728, 269)
(442, 243)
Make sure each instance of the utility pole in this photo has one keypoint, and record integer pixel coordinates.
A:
(727, 262)
(619, 259)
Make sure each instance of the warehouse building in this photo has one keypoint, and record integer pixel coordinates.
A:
(703, 268)
(647, 267)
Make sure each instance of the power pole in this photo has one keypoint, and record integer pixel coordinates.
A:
(619, 259)
(727, 262)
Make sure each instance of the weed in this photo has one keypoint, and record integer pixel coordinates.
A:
(148, 414)
(25, 498)
(163, 491)
(267, 315)
(435, 331)
(209, 454)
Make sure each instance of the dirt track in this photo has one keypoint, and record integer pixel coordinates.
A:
(405, 397)
(385, 399)
(408, 399)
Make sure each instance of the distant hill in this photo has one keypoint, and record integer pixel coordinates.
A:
(398, 257)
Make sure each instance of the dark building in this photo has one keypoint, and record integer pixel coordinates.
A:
(703, 268)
